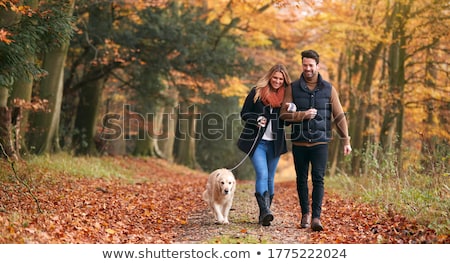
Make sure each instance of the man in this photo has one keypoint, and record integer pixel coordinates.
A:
(313, 105)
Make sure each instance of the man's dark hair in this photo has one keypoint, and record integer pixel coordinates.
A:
(311, 54)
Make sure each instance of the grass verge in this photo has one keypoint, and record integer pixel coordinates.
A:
(414, 197)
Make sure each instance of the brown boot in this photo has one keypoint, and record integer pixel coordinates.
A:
(305, 223)
(316, 225)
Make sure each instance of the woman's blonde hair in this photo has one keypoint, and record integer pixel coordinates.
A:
(265, 79)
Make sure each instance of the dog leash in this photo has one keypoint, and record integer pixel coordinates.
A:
(248, 154)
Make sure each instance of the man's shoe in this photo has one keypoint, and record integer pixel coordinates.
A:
(305, 223)
(316, 225)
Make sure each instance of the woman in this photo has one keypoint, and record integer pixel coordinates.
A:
(263, 137)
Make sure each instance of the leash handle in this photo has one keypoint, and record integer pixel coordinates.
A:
(248, 154)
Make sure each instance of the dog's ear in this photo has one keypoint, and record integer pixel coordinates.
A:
(218, 180)
(234, 185)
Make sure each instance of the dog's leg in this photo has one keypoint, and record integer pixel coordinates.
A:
(226, 211)
(218, 213)
(213, 210)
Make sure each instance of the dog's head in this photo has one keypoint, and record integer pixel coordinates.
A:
(225, 181)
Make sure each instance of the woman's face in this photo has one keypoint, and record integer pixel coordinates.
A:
(277, 80)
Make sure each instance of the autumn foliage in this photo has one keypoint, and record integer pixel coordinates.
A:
(154, 67)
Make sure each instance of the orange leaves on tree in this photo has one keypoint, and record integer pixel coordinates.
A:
(36, 104)
(4, 36)
(234, 87)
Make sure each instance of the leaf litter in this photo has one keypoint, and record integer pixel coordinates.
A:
(163, 205)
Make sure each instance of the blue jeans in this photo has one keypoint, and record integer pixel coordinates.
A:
(265, 164)
(316, 156)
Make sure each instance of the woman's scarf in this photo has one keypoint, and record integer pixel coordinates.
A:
(272, 97)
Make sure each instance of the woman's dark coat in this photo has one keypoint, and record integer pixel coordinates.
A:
(249, 114)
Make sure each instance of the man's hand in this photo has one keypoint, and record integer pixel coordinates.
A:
(291, 107)
(310, 113)
(347, 149)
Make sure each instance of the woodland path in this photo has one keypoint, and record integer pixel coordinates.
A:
(345, 222)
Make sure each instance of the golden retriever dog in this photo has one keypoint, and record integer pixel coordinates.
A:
(219, 194)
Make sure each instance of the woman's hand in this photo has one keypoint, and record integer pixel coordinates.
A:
(262, 121)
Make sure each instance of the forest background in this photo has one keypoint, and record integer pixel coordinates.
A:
(167, 79)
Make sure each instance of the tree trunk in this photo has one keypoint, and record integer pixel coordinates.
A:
(43, 139)
(22, 90)
(362, 122)
(144, 144)
(45, 124)
(6, 143)
(165, 142)
(334, 146)
(86, 117)
(186, 137)
(430, 141)
(7, 18)
(393, 118)
(100, 23)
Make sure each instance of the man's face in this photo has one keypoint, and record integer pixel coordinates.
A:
(310, 67)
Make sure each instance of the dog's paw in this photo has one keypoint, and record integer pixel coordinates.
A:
(222, 222)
